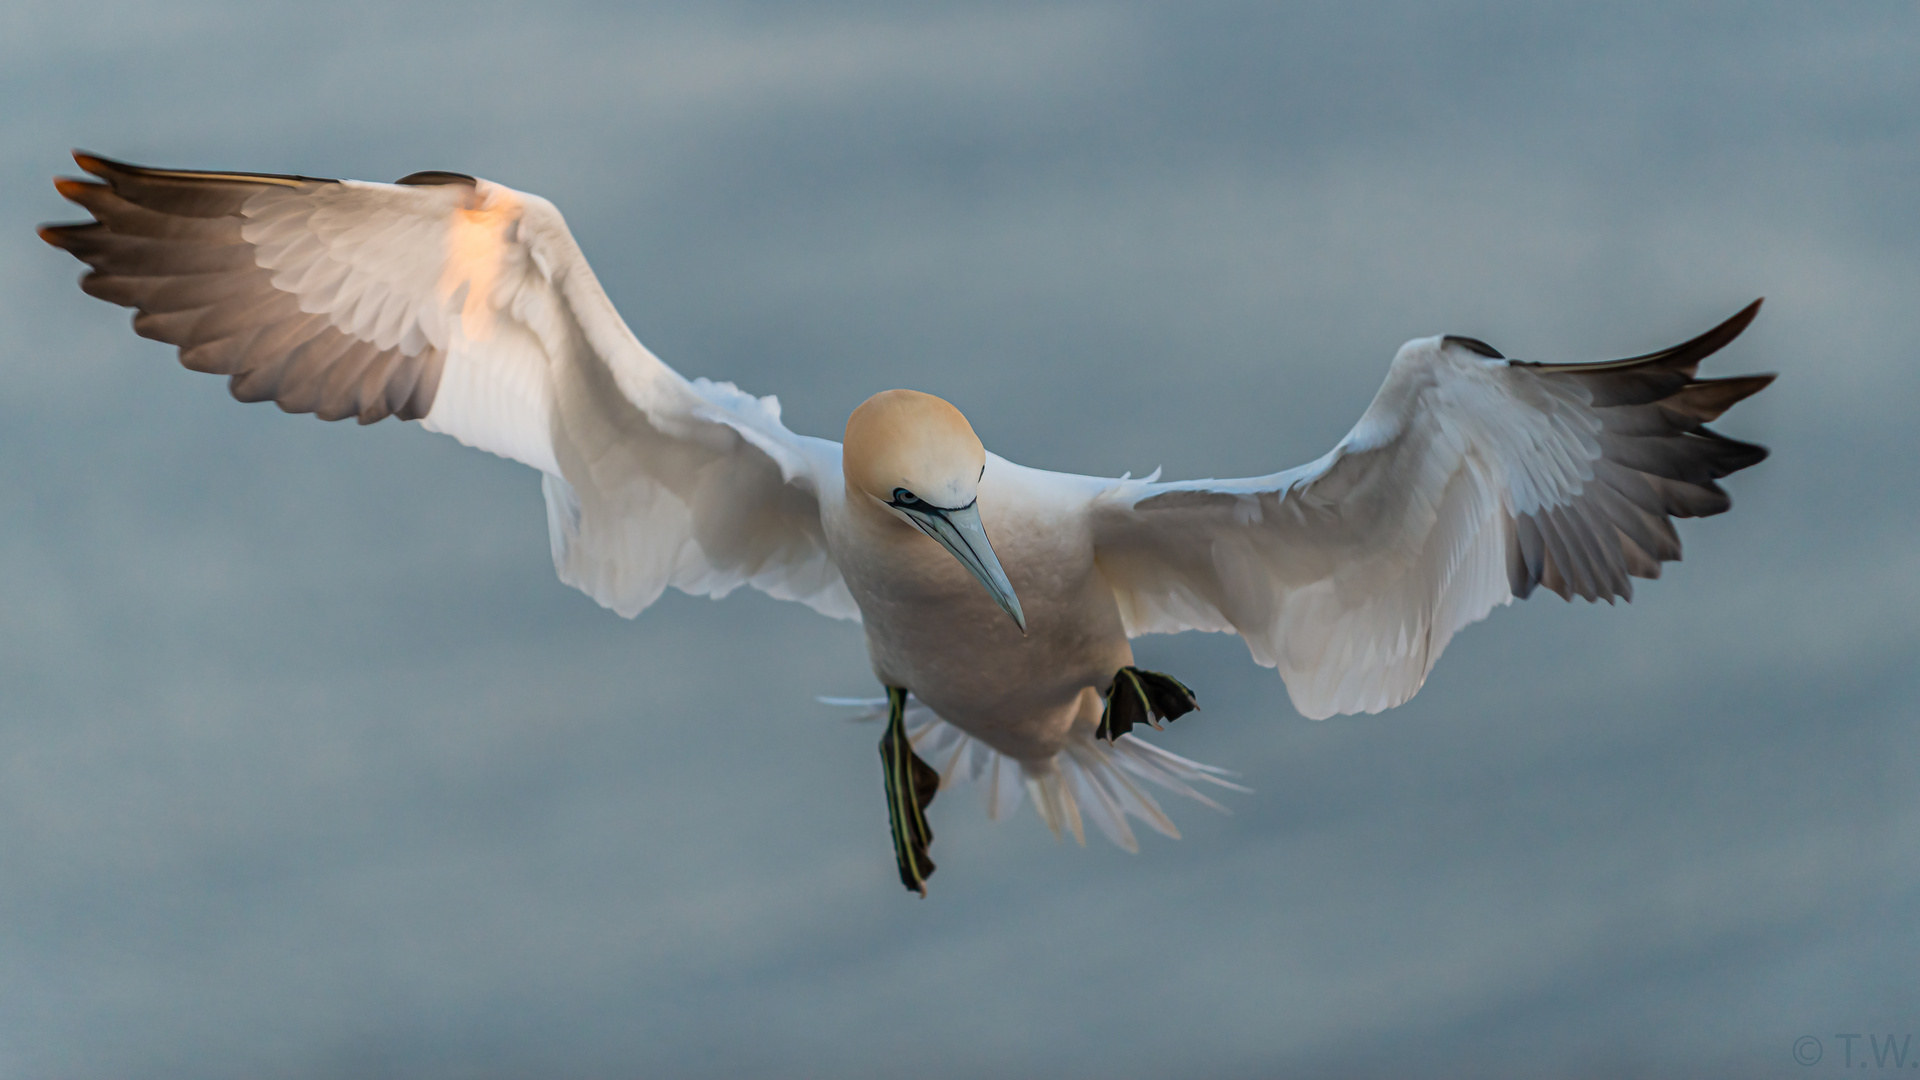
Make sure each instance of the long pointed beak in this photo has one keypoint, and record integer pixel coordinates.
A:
(961, 532)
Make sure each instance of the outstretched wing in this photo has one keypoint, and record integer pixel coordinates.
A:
(467, 306)
(1470, 480)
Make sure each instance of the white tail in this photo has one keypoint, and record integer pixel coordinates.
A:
(1089, 780)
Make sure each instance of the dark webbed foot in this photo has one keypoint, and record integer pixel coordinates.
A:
(1143, 697)
(911, 784)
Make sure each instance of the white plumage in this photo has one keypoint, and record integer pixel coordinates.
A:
(468, 306)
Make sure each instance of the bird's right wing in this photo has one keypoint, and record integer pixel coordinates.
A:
(468, 306)
(1470, 480)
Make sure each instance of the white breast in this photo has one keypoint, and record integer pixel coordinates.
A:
(934, 630)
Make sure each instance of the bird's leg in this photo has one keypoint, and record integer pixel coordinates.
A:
(1142, 697)
(911, 784)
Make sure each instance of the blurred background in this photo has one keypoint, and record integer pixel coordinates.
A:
(309, 767)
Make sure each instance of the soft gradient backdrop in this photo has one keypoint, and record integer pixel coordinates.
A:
(310, 768)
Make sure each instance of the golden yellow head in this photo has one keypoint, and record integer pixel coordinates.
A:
(903, 440)
(919, 458)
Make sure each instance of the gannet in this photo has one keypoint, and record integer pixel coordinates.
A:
(998, 600)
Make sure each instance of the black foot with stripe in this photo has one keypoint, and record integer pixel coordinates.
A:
(1143, 697)
(911, 784)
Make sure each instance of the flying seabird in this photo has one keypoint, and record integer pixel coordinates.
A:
(998, 600)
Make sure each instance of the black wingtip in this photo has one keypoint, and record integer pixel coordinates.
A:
(110, 169)
(74, 189)
(1741, 319)
(1682, 358)
(1699, 348)
(428, 177)
(1731, 455)
(1474, 345)
(99, 166)
(114, 172)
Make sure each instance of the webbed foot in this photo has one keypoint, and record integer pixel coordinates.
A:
(911, 784)
(1143, 697)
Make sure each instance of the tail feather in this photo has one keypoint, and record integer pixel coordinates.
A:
(1091, 780)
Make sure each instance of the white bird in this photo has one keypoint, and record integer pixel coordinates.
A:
(998, 600)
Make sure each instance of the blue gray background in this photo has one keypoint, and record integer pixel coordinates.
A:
(309, 767)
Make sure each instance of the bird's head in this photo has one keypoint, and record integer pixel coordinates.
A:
(917, 457)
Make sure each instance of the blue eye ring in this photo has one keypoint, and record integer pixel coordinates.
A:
(904, 497)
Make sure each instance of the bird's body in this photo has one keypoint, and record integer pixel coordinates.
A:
(932, 629)
(1001, 597)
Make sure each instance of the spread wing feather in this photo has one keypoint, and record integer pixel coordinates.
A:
(1471, 480)
(468, 306)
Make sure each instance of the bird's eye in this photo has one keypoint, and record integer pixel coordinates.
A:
(904, 497)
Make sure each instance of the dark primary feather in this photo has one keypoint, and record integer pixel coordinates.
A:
(168, 244)
(1659, 461)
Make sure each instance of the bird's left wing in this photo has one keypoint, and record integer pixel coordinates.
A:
(1470, 480)
(468, 306)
